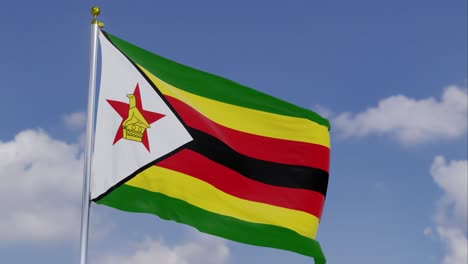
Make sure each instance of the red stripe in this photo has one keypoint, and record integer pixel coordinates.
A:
(255, 146)
(233, 183)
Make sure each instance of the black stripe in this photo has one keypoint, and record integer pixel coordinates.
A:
(271, 173)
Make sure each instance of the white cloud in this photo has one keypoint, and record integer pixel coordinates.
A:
(410, 120)
(452, 178)
(75, 120)
(456, 245)
(450, 217)
(202, 249)
(41, 187)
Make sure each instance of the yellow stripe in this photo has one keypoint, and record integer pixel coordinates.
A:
(207, 197)
(249, 120)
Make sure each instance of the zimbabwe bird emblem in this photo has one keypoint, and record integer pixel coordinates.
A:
(135, 124)
(135, 120)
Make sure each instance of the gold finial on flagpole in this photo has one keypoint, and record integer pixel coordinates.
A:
(95, 11)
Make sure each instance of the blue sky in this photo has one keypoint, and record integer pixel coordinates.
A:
(390, 75)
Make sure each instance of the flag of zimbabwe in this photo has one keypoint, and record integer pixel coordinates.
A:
(205, 151)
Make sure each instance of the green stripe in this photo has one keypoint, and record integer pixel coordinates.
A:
(211, 86)
(132, 199)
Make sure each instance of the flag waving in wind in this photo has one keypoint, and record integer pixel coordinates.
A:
(199, 149)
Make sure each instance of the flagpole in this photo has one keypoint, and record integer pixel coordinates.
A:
(85, 207)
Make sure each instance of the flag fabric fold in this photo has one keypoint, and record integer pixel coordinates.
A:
(199, 149)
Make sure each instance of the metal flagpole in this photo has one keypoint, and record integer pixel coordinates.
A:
(95, 11)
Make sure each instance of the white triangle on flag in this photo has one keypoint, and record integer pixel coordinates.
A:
(113, 163)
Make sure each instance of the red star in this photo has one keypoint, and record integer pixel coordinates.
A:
(122, 109)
